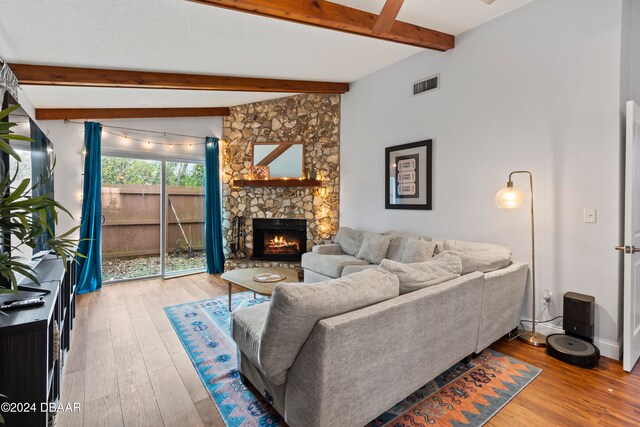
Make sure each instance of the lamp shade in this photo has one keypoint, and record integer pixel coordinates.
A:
(509, 198)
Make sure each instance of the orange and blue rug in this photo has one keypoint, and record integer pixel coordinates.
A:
(468, 394)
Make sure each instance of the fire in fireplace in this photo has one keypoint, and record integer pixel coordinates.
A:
(279, 239)
(281, 244)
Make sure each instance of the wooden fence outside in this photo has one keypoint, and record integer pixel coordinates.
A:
(132, 219)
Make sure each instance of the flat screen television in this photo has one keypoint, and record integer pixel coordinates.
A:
(36, 164)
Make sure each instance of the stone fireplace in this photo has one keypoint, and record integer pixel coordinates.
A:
(279, 239)
(313, 119)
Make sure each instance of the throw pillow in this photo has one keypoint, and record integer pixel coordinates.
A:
(484, 261)
(297, 307)
(396, 248)
(423, 274)
(418, 251)
(374, 247)
(349, 240)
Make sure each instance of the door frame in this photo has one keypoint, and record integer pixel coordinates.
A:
(163, 210)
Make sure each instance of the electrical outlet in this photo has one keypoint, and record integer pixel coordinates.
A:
(546, 296)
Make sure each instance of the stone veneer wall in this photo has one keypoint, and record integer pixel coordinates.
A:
(311, 118)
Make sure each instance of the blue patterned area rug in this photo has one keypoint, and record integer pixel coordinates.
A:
(468, 394)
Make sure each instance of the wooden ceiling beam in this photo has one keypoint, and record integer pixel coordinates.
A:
(45, 75)
(277, 152)
(126, 113)
(387, 17)
(334, 16)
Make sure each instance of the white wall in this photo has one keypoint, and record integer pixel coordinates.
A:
(536, 89)
(68, 140)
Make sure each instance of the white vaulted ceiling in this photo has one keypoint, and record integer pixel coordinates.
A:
(180, 36)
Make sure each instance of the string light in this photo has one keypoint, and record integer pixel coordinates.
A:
(149, 142)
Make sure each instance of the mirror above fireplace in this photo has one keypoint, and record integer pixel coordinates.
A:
(283, 159)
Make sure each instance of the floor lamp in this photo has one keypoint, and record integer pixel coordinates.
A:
(511, 198)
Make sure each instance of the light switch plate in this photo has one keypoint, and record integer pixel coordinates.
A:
(589, 216)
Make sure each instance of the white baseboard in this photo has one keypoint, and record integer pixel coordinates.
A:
(607, 348)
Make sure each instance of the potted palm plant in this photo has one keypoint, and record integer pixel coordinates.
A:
(26, 217)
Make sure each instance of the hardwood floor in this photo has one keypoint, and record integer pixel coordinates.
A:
(566, 395)
(127, 367)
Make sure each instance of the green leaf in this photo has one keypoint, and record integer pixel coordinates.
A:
(18, 192)
(68, 233)
(6, 112)
(4, 146)
(16, 137)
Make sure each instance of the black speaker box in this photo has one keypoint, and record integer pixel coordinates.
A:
(578, 315)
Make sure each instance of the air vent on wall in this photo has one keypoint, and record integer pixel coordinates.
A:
(426, 85)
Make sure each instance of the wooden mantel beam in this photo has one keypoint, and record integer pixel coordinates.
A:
(387, 17)
(45, 75)
(126, 113)
(333, 16)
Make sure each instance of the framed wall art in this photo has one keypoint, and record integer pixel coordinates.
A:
(408, 176)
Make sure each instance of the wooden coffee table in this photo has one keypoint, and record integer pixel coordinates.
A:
(243, 278)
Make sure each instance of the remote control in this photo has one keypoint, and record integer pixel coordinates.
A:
(22, 303)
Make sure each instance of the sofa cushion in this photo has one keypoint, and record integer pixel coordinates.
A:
(327, 249)
(398, 243)
(374, 247)
(405, 234)
(296, 308)
(462, 246)
(246, 329)
(423, 274)
(483, 261)
(350, 269)
(329, 265)
(397, 246)
(417, 251)
(349, 240)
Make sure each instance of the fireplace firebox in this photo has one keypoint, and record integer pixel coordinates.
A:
(279, 239)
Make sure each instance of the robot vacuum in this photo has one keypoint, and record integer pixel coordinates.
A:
(573, 350)
(576, 346)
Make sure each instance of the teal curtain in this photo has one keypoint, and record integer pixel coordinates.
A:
(213, 206)
(90, 268)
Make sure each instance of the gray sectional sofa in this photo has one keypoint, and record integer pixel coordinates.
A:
(348, 254)
(344, 350)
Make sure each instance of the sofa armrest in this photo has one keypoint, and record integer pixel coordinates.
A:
(328, 249)
(502, 301)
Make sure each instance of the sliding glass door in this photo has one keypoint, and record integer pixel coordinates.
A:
(131, 203)
(185, 217)
(153, 218)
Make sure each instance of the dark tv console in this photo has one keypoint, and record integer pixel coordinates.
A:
(33, 345)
